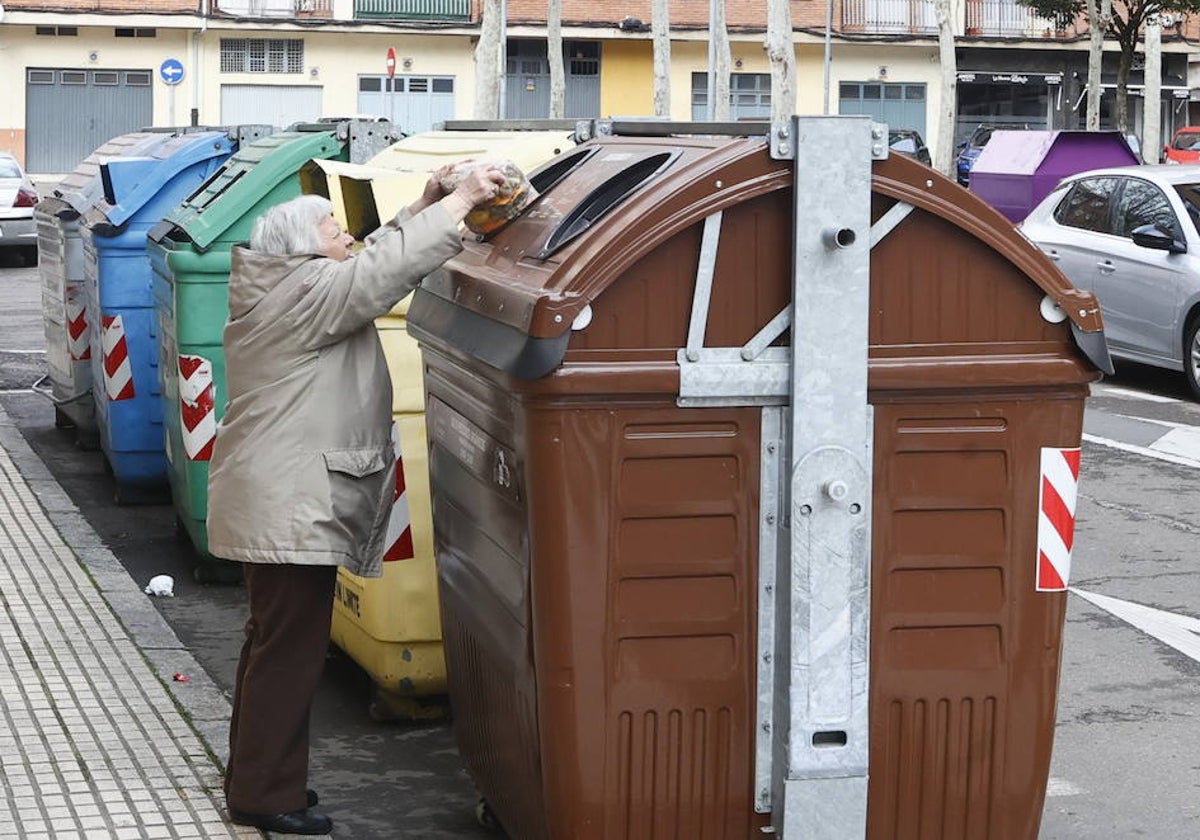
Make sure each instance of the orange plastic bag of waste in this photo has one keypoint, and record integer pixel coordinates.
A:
(514, 196)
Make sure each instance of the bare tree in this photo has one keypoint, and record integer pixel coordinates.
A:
(554, 49)
(487, 60)
(719, 60)
(660, 33)
(1099, 20)
(944, 159)
(1152, 101)
(782, 57)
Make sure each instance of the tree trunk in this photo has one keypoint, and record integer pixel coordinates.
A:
(1123, 67)
(554, 51)
(660, 32)
(487, 61)
(943, 159)
(1151, 101)
(1099, 19)
(718, 61)
(782, 57)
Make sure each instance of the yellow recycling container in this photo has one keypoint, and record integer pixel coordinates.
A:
(391, 625)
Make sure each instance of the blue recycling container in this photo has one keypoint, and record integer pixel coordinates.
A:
(68, 382)
(138, 193)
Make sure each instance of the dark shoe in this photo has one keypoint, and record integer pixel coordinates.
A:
(310, 796)
(291, 822)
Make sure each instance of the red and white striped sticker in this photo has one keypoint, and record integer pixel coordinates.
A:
(197, 407)
(118, 373)
(1056, 517)
(78, 341)
(399, 539)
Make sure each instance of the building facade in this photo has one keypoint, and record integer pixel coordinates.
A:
(82, 71)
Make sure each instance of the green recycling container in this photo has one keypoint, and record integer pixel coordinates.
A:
(190, 255)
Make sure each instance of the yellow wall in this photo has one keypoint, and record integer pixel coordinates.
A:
(627, 79)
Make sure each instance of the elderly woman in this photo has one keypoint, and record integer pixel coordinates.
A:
(303, 468)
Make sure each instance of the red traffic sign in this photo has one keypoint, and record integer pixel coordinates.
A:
(391, 62)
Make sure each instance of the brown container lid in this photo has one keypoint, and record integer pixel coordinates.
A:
(511, 300)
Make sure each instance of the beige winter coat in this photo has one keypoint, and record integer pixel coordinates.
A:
(303, 469)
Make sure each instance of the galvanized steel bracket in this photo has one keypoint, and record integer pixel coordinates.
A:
(244, 135)
(753, 374)
(830, 507)
(367, 138)
(590, 129)
(782, 140)
(722, 376)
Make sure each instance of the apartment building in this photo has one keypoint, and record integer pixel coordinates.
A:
(82, 71)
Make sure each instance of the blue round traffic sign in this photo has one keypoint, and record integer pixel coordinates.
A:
(171, 71)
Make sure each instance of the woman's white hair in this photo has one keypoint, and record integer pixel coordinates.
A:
(290, 228)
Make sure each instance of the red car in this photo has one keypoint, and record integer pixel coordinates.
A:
(1184, 147)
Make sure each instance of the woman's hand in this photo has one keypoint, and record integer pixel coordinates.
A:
(433, 187)
(434, 191)
(479, 186)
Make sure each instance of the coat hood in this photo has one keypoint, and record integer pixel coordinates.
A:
(253, 274)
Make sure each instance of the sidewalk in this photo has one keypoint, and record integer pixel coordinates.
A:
(97, 739)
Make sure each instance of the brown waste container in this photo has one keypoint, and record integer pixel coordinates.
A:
(597, 543)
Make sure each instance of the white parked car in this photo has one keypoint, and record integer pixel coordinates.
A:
(17, 199)
(1131, 235)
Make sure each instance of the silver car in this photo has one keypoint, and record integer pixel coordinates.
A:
(17, 199)
(1131, 235)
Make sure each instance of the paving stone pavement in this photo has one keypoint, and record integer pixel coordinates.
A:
(97, 740)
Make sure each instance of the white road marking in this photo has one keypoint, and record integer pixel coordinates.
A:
(1183, 441)
(1180, 439)
(6, 392)
(1181, 632)
(1115, 391)
(22, 352)
(1142, 450)
(1061, 787)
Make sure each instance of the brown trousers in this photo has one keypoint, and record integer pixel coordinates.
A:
(287, 636)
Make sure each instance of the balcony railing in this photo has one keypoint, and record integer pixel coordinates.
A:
(413, 9)
(883, 17)
(277, 8)
(1007, 19)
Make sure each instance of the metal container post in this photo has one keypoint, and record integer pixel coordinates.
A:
(822, 655)
(815, 479)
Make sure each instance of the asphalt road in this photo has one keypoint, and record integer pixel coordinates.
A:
(1127, 746)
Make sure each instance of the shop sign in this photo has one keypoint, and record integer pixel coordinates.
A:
(1011, 78)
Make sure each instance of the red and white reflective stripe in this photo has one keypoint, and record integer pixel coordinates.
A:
(1056, 517)
(78, 341)
(399, 540)
(197, 407)
(118, 373)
